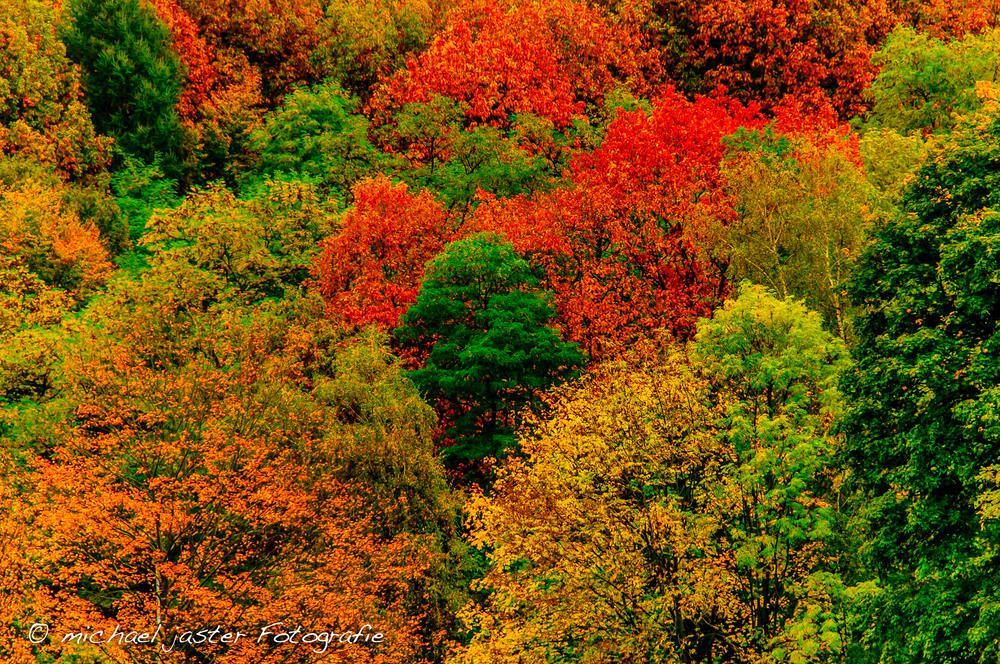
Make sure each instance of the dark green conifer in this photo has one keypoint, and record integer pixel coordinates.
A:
(132, 77)
(491, 350)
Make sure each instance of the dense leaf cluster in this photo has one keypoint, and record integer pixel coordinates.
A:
(523, 331)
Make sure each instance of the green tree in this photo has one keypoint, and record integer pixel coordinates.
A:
(317, 136)
(773, 371)
(139, 190)
(925, 83)
(491, 350)
(803, 210)
(456, 160)
(922, 438)
(132, 78)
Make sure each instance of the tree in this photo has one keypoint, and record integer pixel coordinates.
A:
(52, 262)
(38, 227)
(950, 19)
(29, 310)
(197, 56)
(248, 462)
(360, 43)
(214, 494)
(803, 210)
(921, 437)
(499, 59)
(774, 372)
(892, 160)
(18, 601)
(317, 136)
(598, 544)
(275, 37)
(221, 100)
(259, 247)
(811, 50)
(42, 112)
(132, 78)
(491, 352)
(369, 271)
(925, 83)
(87, 197)
(140, 189)
(625, 246)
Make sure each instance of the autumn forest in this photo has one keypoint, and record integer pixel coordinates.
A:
(499, 331)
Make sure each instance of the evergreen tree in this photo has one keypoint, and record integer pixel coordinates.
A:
(491, 350)
(132, 77)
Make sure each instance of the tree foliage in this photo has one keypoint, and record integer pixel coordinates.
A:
(704, 487)
(216, 495)
(622, 248)
(548, 59)
(275, 37)
(371, 269)
(803, 209)
(248, 462)
(491, 352)
(220, 102)
(38, 228)
(131, 76)
(284, 283)
(766, 50)
(921, 442)
(42, 112)
(361, 43)
(316, 136)
(926, 83)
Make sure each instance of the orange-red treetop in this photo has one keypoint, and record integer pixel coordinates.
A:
(546, 58)
(622, 247)
(369, 272)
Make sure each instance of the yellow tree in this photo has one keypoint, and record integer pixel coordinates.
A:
(38, 227)
(803, 210)
(50, 262)
(599, 541)
(42, 112)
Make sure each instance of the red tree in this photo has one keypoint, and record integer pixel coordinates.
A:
(276, 36)
(498, 58)
(624, 248)
(764, 50)
(369, 272)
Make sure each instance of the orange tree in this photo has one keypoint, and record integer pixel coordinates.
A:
(276, 37)
(549, 59)
(765, 50)
(246, 463)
